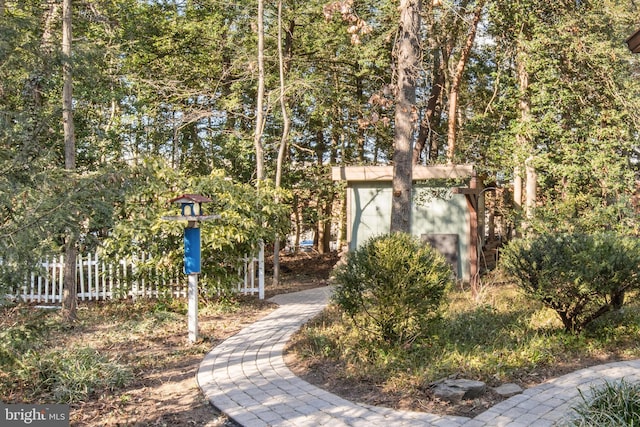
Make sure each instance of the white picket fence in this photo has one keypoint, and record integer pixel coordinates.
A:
(100, 280)
(252, 274)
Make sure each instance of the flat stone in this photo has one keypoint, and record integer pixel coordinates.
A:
(453, 390)
(508, 390)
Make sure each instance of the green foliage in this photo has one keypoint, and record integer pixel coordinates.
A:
(178, 80)
(610, 405)
(586, 213)
(54, 204)
(580, 122)
(580, 276)
(113, 344)
(246, 215)
(40, 203)
(19, 339)
(64, 375)
(507, 337)
(392, 286)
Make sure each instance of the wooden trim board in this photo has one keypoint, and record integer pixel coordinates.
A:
(385, 173)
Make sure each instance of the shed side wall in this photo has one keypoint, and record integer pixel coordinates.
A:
(370, 215)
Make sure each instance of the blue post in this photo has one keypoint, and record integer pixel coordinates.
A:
(192, 269)
(191, 250)
(192, 213)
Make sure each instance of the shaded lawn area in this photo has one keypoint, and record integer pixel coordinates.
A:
(129, 362)
(503, 337)
(123, 363)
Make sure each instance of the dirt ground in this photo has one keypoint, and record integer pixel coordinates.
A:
(165, 392)
(169, 395)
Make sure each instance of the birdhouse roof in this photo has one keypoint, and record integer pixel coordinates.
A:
(191, 198)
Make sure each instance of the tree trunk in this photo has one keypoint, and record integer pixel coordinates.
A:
(407, 62)
(282, 150)
(457, 80)
(517, 188)
(324, 225)
(523, 143)
(69, 301)
(257, 137)
(321, 228)
(46, 41)
(531, 189)
(342, 224)
(297, 222)
(286, 122)
(426, 125)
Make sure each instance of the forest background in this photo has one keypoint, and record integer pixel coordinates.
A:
(251, 102)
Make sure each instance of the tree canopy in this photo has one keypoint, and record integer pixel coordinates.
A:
(545, 85)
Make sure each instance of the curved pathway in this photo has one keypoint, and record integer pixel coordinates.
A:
(246, 378)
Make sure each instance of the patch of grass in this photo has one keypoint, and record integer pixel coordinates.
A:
(69, 376)
(111, 344)
(311, 339)
(504, 338)
(610, 405)
(226, 304)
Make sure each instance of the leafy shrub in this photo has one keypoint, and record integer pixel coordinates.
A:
(613, 404)
(246, 216)
(392, 286)
(506, 339)
(18, 338)
(579, 276)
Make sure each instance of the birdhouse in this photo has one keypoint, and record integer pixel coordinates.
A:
(191, 211)
(191, 204)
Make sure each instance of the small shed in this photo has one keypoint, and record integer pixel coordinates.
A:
(441, 215)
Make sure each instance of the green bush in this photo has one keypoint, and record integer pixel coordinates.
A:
(246, 216)
(613, 404)
(580, 276)
(392, 286)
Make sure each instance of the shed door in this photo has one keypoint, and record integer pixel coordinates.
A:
(447, 245)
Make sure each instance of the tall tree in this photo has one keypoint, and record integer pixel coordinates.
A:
(457, 81)
(523, 135)
(573, 90)
(429, 114)
(260, 119)
(69, 299)
(286, 124)
(407, 58)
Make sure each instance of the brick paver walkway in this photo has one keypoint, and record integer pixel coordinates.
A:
(246, 378)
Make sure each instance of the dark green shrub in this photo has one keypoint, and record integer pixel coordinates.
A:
(580, 276)
(392, 286)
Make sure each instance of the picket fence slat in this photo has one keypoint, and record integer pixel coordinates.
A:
(98, 280)
(248, 285)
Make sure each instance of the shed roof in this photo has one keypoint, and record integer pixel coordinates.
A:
(385, 173)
